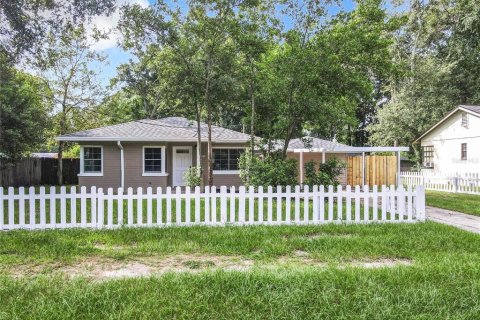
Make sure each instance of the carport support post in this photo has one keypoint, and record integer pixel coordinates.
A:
(301, 167)
(398, 168)
(363, 168)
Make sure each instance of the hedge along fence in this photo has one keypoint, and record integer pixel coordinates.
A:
(29, 209)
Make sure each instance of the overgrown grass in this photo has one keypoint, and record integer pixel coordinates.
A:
(466, 203)
(443, 282)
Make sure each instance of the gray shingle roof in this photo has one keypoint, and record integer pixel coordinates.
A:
(314, 143)
(166, 129)
(475, 109)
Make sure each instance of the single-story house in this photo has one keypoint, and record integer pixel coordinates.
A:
(453, 143)
(155, 153)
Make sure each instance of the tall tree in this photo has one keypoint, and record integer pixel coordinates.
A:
(23, 114)
(66, 65)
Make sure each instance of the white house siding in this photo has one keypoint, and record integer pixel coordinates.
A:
(447, 139)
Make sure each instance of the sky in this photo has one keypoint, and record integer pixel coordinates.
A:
(116, 56)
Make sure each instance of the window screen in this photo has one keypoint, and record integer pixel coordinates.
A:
(92, 159)
(226, 159)
(464, 151)
(427, 155)
(152, 159)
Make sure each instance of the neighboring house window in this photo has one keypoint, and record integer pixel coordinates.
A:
(91, 160)
(226, 159)
(465, 120)
(153, 160)
(427, 155)
(464, 151)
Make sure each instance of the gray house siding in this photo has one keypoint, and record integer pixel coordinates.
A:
(133, 160)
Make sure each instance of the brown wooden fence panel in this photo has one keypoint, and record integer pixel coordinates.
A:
(379, 170)
(38, 171)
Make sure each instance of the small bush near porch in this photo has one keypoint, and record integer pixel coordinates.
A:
(426, 270)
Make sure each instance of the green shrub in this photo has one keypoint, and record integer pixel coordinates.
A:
(270, 171)
(193, 177)
(327, 173)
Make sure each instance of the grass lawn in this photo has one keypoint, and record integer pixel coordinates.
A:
(466, 203)
(293, 272)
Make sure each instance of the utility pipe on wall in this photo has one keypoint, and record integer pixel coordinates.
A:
(122, 165)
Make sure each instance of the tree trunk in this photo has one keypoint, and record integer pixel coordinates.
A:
(209, 147)
(287, 139)
(199, 144)
(61, 144)
(252, 122)
(60, 163)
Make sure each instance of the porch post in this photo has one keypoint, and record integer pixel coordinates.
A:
(398, 168)
(301, 167)
(323, 155)
(363, 168)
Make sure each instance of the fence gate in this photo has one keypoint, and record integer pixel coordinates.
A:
(379, 170)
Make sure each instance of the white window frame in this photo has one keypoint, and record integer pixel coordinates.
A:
(82, 162)
(464, 120)
(154, 174)
(226, 171)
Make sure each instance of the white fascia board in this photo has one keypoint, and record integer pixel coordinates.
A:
(354, 149)
(114, 139)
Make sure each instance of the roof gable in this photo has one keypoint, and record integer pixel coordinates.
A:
(166, 129)
(471, 109)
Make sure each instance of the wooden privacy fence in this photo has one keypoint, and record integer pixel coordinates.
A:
(448, 182)
(379, 170)
(37, 171)
(37, 209)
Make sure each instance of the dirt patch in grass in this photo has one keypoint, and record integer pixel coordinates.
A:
(322, 235)
(381, 263)
(105, 268)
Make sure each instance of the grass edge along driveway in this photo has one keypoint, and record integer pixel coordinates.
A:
(460, 202)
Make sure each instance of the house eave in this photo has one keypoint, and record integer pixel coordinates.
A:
(353, 149)
(129, 139)
(418, 140)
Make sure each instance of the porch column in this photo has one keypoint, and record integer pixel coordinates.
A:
(363, 168)
(301, 167)
(323, 155)
(398, 168)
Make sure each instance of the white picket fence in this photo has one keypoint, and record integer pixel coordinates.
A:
(448, 182)
(37, 209)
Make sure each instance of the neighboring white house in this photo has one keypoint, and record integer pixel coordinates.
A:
(453, 144)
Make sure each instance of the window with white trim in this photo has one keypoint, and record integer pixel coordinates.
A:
(464, 120)
(92, 160)
(427, 155)
(153, 160)
(463, 151)
(226, 159)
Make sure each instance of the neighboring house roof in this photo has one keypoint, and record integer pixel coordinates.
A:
(475, 110)
(44, 154)
(166, 129)
(311, 144)
(314, 143)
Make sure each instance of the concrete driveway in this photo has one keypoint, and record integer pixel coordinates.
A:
(460, 220)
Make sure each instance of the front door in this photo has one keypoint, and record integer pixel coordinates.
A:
(182, 160)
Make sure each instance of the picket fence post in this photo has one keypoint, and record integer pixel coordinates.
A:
(283, 206)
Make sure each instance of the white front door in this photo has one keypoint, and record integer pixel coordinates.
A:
(182, 160)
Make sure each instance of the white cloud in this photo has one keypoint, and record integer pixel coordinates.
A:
(108, 24)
